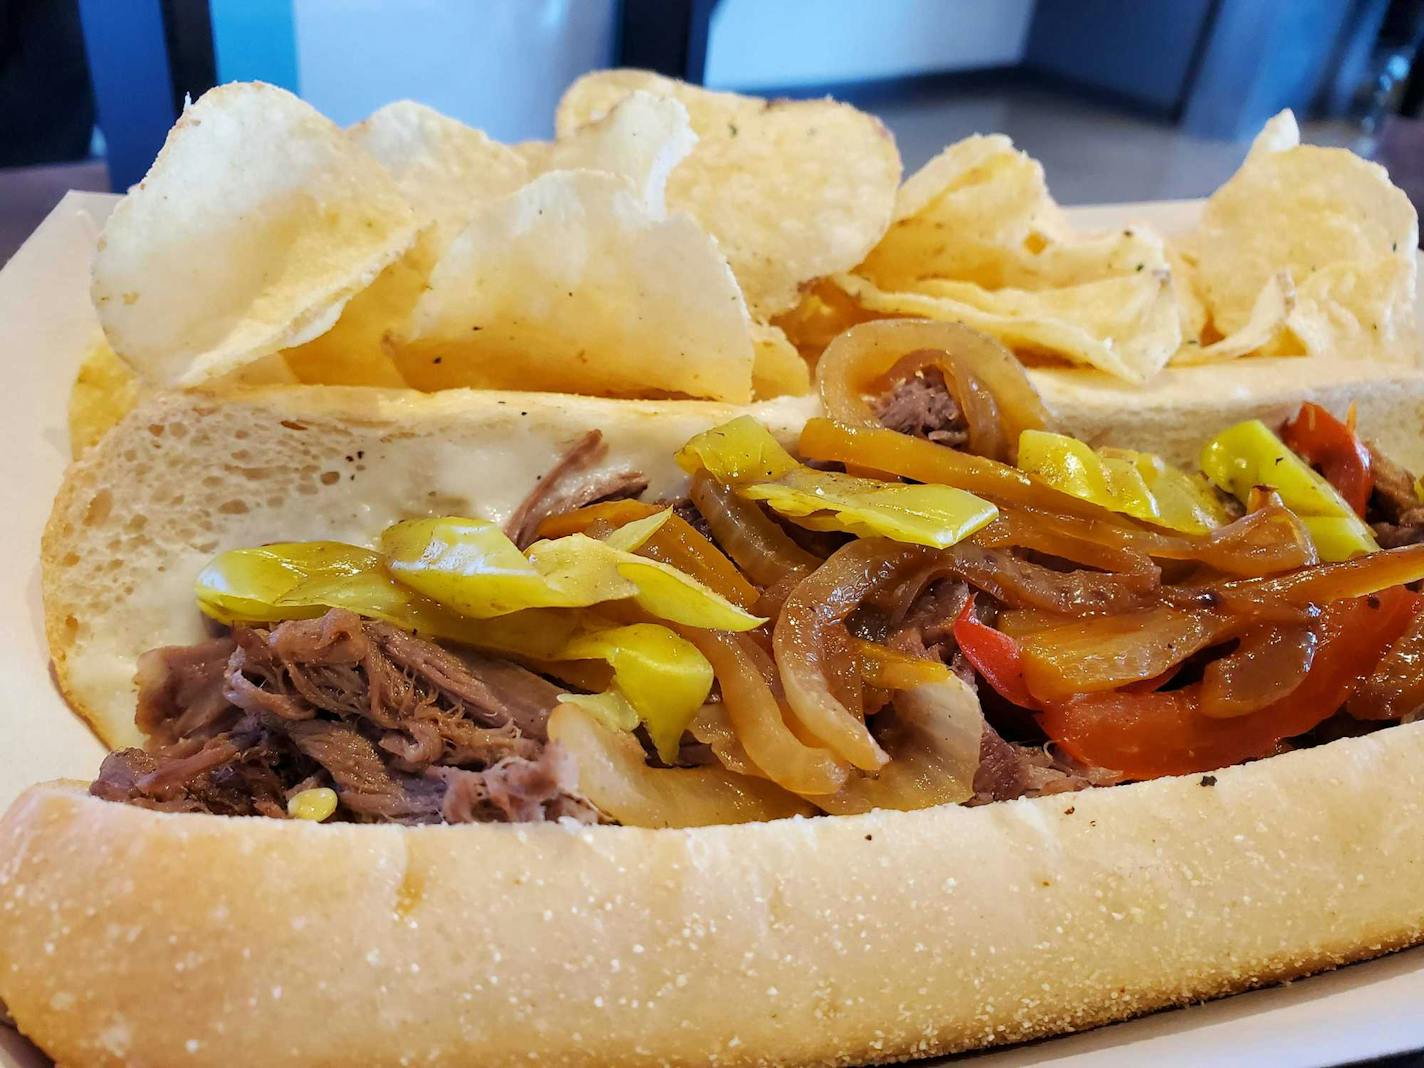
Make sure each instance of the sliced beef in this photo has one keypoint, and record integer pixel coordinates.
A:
(927, 626)
(1008, 770)
(180, 690)
(922, 405)
(1394, 511)
(386, 719)
(572, 483)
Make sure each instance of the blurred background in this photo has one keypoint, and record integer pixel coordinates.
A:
(1120, 99)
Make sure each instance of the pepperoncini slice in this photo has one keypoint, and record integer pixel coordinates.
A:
(737, 452)
(743, 454)
(657, 588)
(301, 580)
(661, 675)
(938, 516)
(471, 566)
(1138, 484)
(1249, 454)
(1185, 500)
(250, 585)
(610, 708)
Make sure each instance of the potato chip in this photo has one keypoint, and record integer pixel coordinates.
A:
(444, 168)
(970, 214)
(1191, 309)
(1362, 309)
(255, 225)
(980, 212)
(642, 139)
(1126, 325)
(1302, 209)
(791, 190)
(1261, 331)
(572, 284)
(778, 368)
(105, 390)
(535, 154)
(357, 350)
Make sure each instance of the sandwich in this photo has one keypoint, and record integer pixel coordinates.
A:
(719, 699)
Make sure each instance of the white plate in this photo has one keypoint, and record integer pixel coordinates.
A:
(1363, 1011)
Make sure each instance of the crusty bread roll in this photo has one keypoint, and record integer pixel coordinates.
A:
(135, 937)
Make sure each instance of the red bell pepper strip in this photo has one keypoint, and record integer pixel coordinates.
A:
(1147, 735)
(1331, 446)
(994, 655)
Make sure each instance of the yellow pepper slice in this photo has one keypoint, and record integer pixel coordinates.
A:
(471, 566)
(743, 454)
(1249, 454)
(736, 452)
(657, 588)
(1138, 484)
(1185, 501)
(938, 516)
(301, 580)
(610, 708)
(246, 585)
(661, 674)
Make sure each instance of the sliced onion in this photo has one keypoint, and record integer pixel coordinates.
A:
(933, 744)
(1032, 530)
(1105, 653)
(756, 717)
(1268, 664)
(987, 381)
(713, 728)
(1324, 582)
(754, 541)
(613, 774)
(812, 644)
(1022, 584)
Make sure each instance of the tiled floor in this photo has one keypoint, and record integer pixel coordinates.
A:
(1093, 152)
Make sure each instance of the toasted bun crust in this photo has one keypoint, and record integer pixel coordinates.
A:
(134, 937)
(1181, 407)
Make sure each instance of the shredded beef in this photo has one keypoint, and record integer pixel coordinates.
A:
(1008, 770)
(572, 483)
(923, 406)
(514, 790)
(927, 627)
(1394, 511)
(180, 690)
(400, 728)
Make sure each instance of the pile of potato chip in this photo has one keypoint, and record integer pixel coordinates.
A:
(677, 242)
